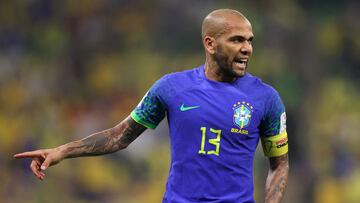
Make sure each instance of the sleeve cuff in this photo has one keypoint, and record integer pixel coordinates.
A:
(142, 122)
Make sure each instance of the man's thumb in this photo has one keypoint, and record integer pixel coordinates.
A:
(46, 163)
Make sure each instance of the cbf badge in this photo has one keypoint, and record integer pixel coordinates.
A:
(242, 116)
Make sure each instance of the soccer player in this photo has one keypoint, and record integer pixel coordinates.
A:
(217, 113)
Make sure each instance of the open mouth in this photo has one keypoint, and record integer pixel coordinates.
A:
(241, 62)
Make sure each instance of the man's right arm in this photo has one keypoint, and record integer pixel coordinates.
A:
(104, 142)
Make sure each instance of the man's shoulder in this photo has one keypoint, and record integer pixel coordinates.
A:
(261, 86)
(187, 74)
(172, 83)
(182, 79)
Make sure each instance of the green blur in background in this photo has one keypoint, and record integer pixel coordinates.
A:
(71, 68)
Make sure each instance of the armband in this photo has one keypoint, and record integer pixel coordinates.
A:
(274, 146)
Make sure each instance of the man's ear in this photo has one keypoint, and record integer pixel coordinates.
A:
(209, 44)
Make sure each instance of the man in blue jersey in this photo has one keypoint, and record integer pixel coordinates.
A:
(217, 113)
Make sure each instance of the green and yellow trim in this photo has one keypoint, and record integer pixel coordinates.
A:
(142, 122)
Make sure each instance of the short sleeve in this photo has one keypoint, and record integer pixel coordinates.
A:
(273, 128)
(152, 108)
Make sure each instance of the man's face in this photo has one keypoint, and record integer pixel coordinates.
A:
(233, 48)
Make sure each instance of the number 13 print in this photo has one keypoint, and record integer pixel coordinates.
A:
(215, 141)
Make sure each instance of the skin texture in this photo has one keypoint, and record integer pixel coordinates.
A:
(277, 179)
(227, 37)
(104, 142)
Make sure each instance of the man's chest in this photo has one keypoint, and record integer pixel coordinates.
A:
(232, 112)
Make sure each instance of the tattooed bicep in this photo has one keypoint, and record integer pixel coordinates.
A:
(130, 130)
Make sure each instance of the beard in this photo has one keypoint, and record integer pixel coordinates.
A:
(226, 65)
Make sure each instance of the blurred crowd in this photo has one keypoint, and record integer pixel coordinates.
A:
(72, 68)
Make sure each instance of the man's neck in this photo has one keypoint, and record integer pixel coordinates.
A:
(213, 72)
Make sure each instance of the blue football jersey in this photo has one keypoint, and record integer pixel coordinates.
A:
(215, 128)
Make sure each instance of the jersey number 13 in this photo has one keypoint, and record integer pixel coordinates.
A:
(214, 141)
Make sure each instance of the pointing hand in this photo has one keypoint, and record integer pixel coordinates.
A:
(41, 160)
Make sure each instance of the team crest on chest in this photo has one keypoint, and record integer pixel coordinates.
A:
(242, 116)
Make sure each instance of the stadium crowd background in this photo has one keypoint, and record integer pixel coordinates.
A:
(71, 68)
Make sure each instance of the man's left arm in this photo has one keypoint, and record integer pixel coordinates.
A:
(277, 178)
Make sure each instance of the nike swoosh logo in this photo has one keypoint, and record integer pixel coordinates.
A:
(186, 108)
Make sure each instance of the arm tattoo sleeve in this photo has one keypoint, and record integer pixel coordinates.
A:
(107, 141)
(277, 179)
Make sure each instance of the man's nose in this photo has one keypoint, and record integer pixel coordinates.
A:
(246, 48)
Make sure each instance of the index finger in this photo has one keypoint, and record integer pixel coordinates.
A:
(29, 154)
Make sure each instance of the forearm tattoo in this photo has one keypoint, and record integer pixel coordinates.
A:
(107, 141)
(277, 179)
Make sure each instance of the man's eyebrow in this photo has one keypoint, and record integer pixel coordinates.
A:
(241, 38)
